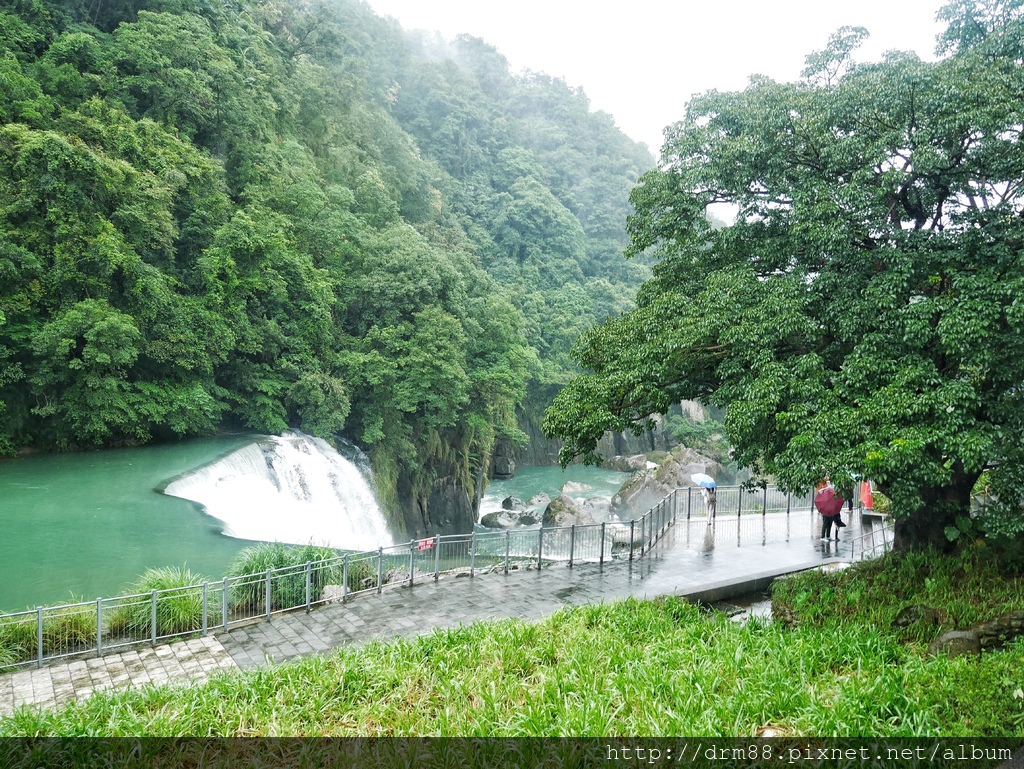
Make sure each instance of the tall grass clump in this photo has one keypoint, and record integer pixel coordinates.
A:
(67, 629)
(179, 605)
(288, 583)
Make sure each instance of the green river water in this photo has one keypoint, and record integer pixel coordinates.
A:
(83, 525)
(86, 524)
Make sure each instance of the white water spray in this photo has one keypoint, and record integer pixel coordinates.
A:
(291, 488)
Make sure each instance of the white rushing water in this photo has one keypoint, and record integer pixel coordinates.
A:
(291, 488)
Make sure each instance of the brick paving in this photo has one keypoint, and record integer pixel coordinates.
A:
(682, 563)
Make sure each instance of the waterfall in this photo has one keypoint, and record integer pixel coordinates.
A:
(290, 488)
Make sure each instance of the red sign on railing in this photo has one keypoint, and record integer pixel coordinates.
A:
(424, 544)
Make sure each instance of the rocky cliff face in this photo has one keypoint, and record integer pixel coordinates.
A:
(542, 451)
(445, 507)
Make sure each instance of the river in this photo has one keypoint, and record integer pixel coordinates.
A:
(529, 481)
(82, 525)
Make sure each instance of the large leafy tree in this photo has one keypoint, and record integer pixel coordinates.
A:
(864, 315)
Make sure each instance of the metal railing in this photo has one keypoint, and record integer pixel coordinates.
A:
(875, 541)
(107, 624)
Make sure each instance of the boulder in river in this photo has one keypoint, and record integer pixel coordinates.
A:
(501, 519)
(565, 511)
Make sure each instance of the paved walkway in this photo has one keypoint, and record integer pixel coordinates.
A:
(682, 563)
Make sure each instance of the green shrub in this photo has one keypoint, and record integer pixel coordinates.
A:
(286, 590)
(66, 628)
(881, 503)
(180, 611)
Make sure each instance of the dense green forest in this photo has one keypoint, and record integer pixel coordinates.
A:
(258, 215)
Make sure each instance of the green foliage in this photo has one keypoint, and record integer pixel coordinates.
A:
(862, 314)
(65, 630)
(707, 436)
(975, 585)
(595, 670)
(178, 610)
(273, 216)
(288, 589)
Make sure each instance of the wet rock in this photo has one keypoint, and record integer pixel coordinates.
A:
(539, 500)
(1001, 630)
(333, 593)
(565, 511)
(503, 467)
(513, 503)
(528, 519)
(956, 643)
(501, 519)
(598, 508)
(910, 615)
(621, 464)
(644, 490)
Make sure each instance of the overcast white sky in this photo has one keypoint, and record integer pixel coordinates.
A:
(642, 60)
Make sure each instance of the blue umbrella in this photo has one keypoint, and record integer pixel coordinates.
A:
(704, 481)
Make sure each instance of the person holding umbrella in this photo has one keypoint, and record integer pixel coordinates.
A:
(707, 489)
(829, 502)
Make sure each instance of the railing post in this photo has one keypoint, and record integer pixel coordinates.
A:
(632, 525)
(380, 569)
(572, 542)
(39, 636)
(99, 627)
(437, 556)
(344, 578)
(224, 602)
(268, 594)
(309, 585)
(206, 608)
(689, 501)
(508, 542)
(601, 557)
(540, 544)
(412, 561)
(152, 618)
(472, 554)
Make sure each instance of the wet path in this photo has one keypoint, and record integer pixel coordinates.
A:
(683, 563)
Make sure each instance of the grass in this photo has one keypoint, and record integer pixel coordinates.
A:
(177, 611)
(288, 589)
(972, 586)
(65, 629)
(653, 668)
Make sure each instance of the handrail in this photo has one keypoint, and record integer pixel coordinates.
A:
(108, 624)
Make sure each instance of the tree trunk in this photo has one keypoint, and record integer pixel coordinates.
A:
(926, 527)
